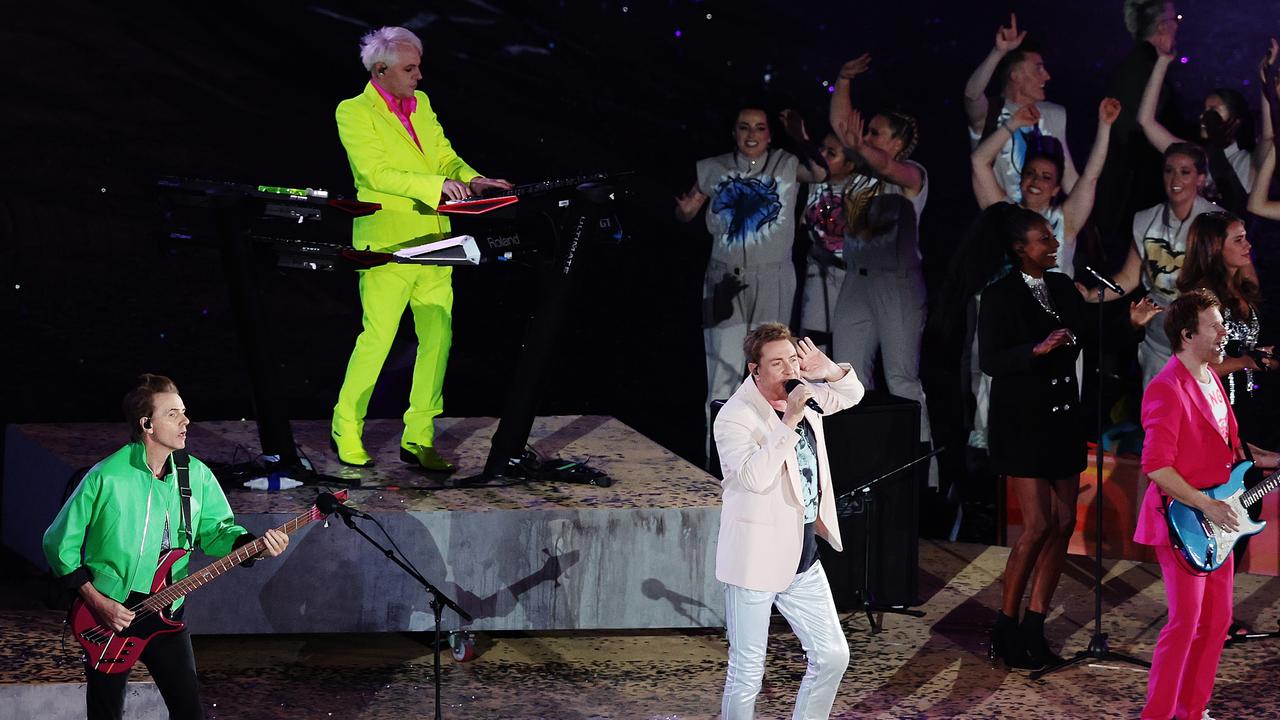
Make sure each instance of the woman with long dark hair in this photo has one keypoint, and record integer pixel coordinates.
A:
(1028, 330)
(1218, 259)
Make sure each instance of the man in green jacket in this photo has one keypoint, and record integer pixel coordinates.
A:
(107, 540)
(400, 159)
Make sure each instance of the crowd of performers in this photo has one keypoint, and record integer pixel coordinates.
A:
(1175, 194)
(1173, 197)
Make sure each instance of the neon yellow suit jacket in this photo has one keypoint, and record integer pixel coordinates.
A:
(388, 168)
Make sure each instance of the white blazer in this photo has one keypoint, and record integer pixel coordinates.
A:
(762, 519)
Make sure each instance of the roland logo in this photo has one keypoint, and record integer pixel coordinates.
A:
(503, 241)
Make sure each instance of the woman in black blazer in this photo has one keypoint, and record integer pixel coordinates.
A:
(1028, 329)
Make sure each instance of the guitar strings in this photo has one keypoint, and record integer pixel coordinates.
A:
(148, 607)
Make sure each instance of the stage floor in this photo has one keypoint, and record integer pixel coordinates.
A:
(536, 556)
(934, 667)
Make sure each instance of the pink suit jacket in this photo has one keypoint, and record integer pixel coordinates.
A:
(1180, 433)
(762, 519)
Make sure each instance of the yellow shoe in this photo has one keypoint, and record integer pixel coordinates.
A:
(349, 449)
(425, 457)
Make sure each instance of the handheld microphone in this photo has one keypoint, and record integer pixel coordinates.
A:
(810, 403)
(1236, 348)
(328, 504)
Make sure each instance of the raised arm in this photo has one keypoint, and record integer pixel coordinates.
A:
(813, 167)
(1266, 132)
(1079, 203)
(1259, 204)
(1158, 135)
(975, 90)
(1219, 134)
(1266, 139)
(836, 386)
(880, 163)
(841, 99)
(1070, 176)
(1269, 74)
(986, 186)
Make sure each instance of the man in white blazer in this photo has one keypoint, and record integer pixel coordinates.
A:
(778, 500)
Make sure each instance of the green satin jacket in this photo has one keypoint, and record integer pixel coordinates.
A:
(109, 532)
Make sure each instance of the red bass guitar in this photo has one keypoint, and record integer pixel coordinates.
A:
(115, 652)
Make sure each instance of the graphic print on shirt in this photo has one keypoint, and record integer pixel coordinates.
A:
(1218, 406)
(807, 458)
(1163, 264)
(750, 206)
(826, 215)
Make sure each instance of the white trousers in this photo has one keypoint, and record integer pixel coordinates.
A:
(768, 296)
(821, 292)
(883, 311)
(808, 607)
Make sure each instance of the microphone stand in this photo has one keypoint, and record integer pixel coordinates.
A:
(869, 607)
(866, 487)
(1099, 648)
(439, 601)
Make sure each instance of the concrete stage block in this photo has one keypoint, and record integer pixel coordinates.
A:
(639, 554)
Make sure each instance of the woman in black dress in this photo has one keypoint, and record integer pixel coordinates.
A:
(1028, 327)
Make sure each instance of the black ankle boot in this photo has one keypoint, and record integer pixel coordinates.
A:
(1032, 636)
(1006, 645)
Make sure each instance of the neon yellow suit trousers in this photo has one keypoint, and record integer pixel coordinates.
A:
(390, 169)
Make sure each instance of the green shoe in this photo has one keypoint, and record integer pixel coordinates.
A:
(425, 457)
(350, 450)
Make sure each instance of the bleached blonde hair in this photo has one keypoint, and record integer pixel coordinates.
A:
(380, 45)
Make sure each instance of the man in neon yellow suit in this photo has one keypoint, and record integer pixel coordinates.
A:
(401, 159)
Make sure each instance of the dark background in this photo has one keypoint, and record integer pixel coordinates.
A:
(100, 99)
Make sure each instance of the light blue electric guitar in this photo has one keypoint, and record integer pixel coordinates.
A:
(1205, 545)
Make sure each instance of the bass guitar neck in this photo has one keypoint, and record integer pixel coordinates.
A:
(112, 651)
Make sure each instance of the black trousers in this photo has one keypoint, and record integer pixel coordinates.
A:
(173, 666)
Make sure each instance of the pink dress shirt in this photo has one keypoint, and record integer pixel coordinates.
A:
(402, 109)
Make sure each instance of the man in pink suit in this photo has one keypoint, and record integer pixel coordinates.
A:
(778, 500)
(1191, 444)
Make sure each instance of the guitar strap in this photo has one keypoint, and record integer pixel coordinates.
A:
(182, 462)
